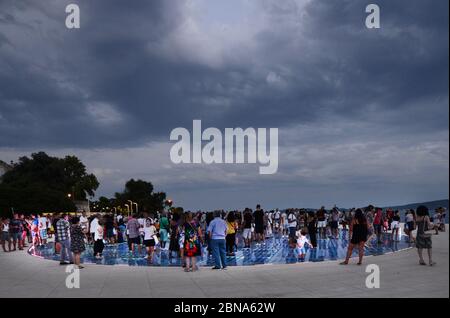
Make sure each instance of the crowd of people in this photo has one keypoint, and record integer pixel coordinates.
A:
(185, 234)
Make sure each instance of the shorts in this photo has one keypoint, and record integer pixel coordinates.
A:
(149, 243)
(321, 224)
(410, 225)
(5, 236)
(43, 234)
(300, 251)
(16, 236)
(247, 234)
(377, 228)
(259, 229)
(334, 225)
(395, 225)
(135, 240)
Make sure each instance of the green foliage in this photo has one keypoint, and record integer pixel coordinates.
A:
(141, 192)
(41, 183)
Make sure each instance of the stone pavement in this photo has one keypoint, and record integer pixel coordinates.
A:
(22, 275)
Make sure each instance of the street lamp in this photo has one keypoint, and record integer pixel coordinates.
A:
(133, 203)
(69, 195)
(128, 209)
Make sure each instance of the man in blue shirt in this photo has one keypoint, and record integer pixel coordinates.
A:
(217, 230)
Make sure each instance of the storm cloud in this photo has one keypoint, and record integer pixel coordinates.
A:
(362, 113)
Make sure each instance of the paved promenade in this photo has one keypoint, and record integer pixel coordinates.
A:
(22, 275)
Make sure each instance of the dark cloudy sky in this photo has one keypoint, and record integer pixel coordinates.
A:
(362, 114)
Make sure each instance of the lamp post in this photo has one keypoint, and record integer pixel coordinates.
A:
(128, 209)
(132, 204)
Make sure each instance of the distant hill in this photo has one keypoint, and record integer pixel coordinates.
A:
(431, 205)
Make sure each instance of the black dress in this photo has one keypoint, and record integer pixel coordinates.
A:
(359, 233)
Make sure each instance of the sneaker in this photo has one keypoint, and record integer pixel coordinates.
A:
(63, 263)
(215, 267)
(224, 268)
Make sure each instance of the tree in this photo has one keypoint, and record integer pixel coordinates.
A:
(141, 192)
(42, 183)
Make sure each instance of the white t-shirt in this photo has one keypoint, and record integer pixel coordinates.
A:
(301, 241)
(42, 223)
(292, 217)
(84, 222)
(277, 215)
(94, 225)
(149, 231)
(409, 217)
(98, 233)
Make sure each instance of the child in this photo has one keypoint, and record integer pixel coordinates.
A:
(149, 238)
(302, 241)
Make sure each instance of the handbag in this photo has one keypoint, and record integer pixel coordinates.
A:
(427, 232)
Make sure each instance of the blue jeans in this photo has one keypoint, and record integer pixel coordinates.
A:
(219, 253)
(65, 249)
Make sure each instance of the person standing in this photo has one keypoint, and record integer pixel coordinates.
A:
(192, 242)
(259, 224)
(276, 221)
(358, 234)
(133, 228)
(247, 227)
(56, 245)
(231, 233)
(395, 226)
(93, 228)
(149, 238)
(99, 245)
(410, 224)
(77, 241)
(164, 227)
(335, 213)
(5, 235)
(62, 228)
(43, 226)
(311, 224)
(84, 223)
(378, 221)
(423, 238)
(15, 230)
(25, 230)
(292, 220)
(321, 222)
(217, 231)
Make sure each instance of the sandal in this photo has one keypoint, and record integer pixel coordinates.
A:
(422, 263)
(359, 263)
(343, 263)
